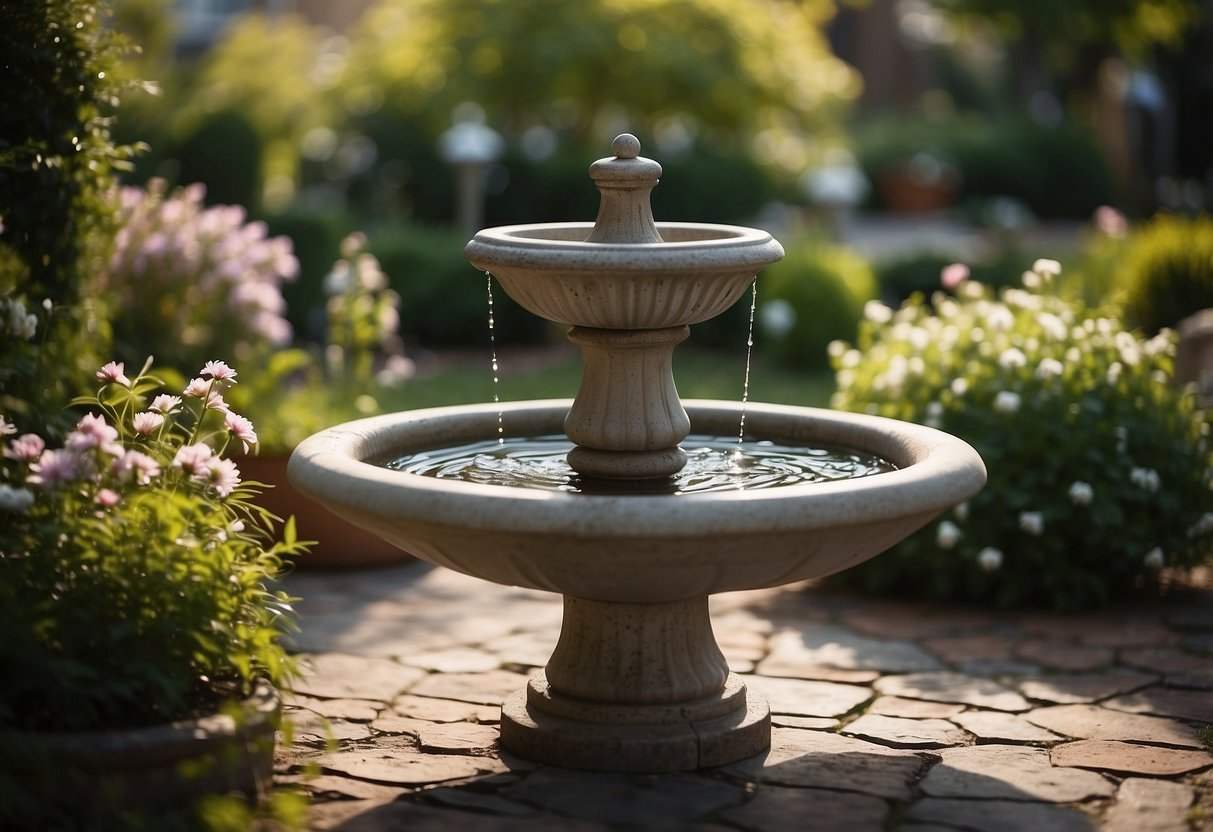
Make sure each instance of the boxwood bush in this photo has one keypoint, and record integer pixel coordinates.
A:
(815, 295)
(1166, 271)
(1099, 468)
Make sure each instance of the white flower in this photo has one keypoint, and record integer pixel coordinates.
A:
(959, 386)
(1202, 526)
(15, 499)
(934, 415)
(877, 312)
(1046, 268)
(1000, 318)
(947, 535)
(1049, 368)
(1154, 559)
(989, 559)
(1081, 493)
(961, 511)
(1012, 358)
(1146, 479)
(1007, 401)
(1114, 371)
(1032, 522)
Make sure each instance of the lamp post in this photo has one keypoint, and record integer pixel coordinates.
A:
(470, 146)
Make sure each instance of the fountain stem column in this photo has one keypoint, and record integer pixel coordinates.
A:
(619, 434)
(636, 687)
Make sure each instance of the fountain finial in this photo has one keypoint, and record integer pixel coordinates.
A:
(625, 181)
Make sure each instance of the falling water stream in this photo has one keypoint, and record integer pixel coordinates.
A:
(749, 350)
(496, 373)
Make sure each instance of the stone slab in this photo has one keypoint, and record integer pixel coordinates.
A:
(1130, 758)
(1149, 806)
(827, 645)
(996, 816)
(779, 809)
(353, 710)
(489, 688)
(914, 708)
(1075, 688)
(399, 767)
(819, 759)
(444, 710)
(342, 676)
(457, 659)
(1196, 705)
(1060, 655)
(1010, 772)
(953, 649)
(629, 800)
(808, 698)
(1002, 727)
(458, 738)
(813, 723)
(1093, 722)
(899, 732)
(953, 687)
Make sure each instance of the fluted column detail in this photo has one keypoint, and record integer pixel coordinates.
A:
(642, 654)
(627, 405)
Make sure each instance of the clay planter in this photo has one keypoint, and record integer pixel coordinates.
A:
(98, 775)
(339, 544)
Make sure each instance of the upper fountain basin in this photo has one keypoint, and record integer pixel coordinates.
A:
(637, 548)
(699, 271)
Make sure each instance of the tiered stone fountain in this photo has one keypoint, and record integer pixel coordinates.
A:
(636, 681)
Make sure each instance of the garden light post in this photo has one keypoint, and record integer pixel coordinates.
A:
(469, 147)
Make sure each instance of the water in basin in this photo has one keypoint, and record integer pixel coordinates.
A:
(713, 464)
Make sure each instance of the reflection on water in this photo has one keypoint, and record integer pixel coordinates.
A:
(713, 464)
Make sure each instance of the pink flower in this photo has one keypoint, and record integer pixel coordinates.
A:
(222, 474)
(94, 432)
(7, 428)
(107, 498)
(25, 448)
(1111, 222)
(219, 371)
(192, 459)
(115, 372)
(241, 428)
(200, 388)
(953, 275)
(164, 403)
(55, 468)
(147, 422)
(135, 465)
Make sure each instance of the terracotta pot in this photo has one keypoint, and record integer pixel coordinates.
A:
(339, 544)
(98, 776)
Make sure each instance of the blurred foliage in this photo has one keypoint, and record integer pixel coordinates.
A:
(1064, 30)
(1054, 171)
(443, 299)
(819, 291)
(56, 157)
(576, 67)
(57, 161)
(223, 153)
(1166, 271)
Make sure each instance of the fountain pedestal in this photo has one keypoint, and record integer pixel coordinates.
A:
(636, 687)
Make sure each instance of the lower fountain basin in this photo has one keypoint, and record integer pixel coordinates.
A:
(637, 549)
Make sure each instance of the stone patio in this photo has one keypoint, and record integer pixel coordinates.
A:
(888, 716)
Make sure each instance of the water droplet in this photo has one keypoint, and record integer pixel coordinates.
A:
(493, 350)
(745, 387)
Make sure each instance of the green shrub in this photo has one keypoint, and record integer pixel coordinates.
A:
(1167, 271)
(1098, 465)
(1055, 171)
(316, 238)
(223, 153)
(443, 299)
(815, 295)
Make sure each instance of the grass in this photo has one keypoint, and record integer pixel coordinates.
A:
(555, 372)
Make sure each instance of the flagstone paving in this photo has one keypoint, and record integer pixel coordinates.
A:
(889, 716)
